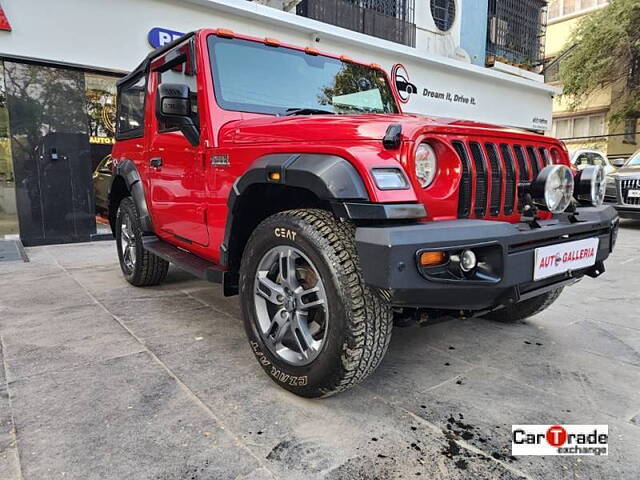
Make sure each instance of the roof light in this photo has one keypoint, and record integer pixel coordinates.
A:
(272, 42)
(311, 51)
(225, 32)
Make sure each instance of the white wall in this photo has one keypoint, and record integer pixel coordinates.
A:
(113, 35)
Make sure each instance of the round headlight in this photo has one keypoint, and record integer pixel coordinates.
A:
(426, 164)
(591, 186)
(553, 188)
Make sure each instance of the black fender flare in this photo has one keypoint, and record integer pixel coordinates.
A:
(328, 177)
(126, 169)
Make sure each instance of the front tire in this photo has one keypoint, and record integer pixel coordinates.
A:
(313, 324)
(139, 266)
(525, 309)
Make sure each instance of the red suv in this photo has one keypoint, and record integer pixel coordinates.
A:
(293, 178)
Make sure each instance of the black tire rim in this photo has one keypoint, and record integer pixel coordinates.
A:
(291, 305)
(127, 243)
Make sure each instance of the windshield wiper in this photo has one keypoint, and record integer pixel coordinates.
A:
(307, 111)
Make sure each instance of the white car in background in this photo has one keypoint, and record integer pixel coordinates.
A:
(584, 158)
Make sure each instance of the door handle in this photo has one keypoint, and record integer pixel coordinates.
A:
(156, 163)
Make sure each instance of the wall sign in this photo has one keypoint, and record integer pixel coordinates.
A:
(159, 37)
(4, 21)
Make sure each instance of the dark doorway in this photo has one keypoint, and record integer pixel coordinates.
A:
(51, 153)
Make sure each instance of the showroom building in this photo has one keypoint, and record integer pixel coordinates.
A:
(59, 63)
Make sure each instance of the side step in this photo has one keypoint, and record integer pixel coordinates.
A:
(193, 264)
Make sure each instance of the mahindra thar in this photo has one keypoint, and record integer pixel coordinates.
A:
(293, 178)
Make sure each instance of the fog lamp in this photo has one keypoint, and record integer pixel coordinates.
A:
(432, 259)
(468, 260)
(553, 188)
(591, 186)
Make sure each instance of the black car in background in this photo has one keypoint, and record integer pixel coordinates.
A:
(623, 188)
(101, 181)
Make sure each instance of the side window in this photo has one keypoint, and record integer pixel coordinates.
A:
(582, 161)
(130, 117)
(597, 160)
(183, 73)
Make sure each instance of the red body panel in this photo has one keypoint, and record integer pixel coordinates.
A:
(188, 197)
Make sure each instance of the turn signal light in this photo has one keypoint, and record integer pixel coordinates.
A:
(432, 259)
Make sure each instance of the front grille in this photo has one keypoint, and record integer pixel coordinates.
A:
(491, 173)
(625, 186)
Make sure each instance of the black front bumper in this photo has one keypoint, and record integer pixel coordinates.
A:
(628, 211)
(388, 256)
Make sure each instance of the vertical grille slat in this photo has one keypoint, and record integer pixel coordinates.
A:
(524, 172)
(546, 158)
(496, 179)
(481, 179)
(533, 162)
(464, 200)
(510, 175)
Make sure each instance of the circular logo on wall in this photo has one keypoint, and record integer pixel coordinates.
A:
(400, 79)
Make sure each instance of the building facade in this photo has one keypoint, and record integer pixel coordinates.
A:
(587, 126)
(59, 67)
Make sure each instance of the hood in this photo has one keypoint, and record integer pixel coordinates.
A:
(328, 128)
(628, 171)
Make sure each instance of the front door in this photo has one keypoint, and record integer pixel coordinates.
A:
(176, 168)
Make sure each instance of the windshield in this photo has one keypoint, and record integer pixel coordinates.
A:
(253, 77)
(634, 160)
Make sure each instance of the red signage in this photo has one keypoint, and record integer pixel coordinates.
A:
(4, 21)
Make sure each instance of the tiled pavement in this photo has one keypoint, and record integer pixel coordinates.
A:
(99, 379)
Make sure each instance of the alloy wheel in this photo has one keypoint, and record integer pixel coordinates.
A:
(291, 305)
(128, 243)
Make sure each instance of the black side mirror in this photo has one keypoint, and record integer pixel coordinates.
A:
(618, 162)
(173, 106)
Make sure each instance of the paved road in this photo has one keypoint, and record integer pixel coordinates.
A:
(102, 380)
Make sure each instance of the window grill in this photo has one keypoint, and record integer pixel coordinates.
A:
(515, 32)
(391, 20)
(443, 13)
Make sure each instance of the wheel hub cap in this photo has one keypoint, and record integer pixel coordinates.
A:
(291, 305)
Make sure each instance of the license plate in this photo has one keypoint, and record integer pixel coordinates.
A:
(633, 194)
(560, 258)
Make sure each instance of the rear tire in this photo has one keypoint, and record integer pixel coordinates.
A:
(139, 266)
(347, 330)
(525, 309)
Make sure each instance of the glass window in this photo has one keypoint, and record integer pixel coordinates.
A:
(253, 77)
(563, 128)
(582, 161)
(597, 125)
(597, 160)
(560, 8)
(581, 127)
(8, 206)
(131, 107)
(569, 7)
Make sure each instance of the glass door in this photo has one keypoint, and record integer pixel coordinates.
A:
(8, 208)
